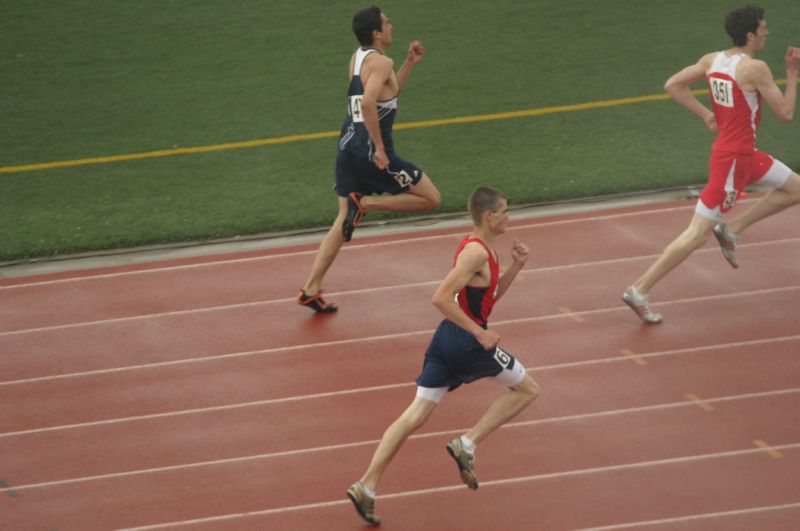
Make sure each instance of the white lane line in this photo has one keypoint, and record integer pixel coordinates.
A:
(695, 517)
(358, 444)
(484, 484)
(226, 307)
(414, 240)
(359, 390)
(342, 342)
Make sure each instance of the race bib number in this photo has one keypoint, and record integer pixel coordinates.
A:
(403, 178)
(355, 109)
(730, 200)
(502, 358)
(722, 91)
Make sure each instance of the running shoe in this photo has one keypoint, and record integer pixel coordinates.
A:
(364, 504)
(315, 302)
(355, 213)
(641, 305)
(727, 242)
(465, 462)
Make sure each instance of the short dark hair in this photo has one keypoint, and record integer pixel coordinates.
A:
(482, 199)
(365, 22)
(740, 22)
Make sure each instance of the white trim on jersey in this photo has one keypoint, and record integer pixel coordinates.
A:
(361, 54)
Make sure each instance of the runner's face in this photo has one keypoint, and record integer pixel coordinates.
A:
(499, 218)
(761, 35)
(385, 35)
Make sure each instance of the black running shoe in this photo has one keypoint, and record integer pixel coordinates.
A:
(315, 302)
(355, 213)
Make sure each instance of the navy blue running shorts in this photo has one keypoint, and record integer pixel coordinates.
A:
(455, 357)
(356, 174)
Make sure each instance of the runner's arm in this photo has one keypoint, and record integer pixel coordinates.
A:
(415, 54)
(678, 87)
(468, 264)
(519, 254)
(782, 104)
(380, 68)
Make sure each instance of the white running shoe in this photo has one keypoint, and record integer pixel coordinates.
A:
(640, 303)
(727, 242)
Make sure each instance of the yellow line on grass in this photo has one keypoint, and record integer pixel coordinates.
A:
(168, 152)
(331, 134)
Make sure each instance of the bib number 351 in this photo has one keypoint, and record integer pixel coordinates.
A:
(722, 92)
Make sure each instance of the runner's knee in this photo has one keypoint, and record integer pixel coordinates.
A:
(529, 388)
(417, 416)
(434, 200)
(694, 238)
(428, 191)
(792, 186)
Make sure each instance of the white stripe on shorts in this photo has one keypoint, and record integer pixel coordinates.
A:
(434, 394)
(777, 175)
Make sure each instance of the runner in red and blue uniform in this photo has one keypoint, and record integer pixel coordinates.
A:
(463, 349)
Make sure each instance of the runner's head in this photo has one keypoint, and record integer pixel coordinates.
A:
(740, 22)
(485, 199)
(368, 22)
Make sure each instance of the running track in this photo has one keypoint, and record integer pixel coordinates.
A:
(195, 394)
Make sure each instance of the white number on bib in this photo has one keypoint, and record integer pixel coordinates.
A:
(355, 109)
(722, 91)
(501, 357)
(402, 177)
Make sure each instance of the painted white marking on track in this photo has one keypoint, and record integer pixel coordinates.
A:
(484, 484)
(331, 394)
(226, 307)
(345, 248)
(357, 444)
(694, 517)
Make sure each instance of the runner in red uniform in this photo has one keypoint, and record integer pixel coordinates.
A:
(738, 84)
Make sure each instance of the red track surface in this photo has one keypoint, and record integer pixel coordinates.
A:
(195, 394)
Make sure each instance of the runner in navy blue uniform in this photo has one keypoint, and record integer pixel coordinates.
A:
(463, 349)
(367, 166)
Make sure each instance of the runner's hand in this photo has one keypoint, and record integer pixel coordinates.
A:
(793, 58)
(488, 339)
(381, 160)
(415, 52)
(711, 122)
(519, 252)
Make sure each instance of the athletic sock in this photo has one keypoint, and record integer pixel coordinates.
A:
(368, 491)
(638, 294)
(467, 444)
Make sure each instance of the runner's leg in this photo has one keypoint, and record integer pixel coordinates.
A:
(421, 197)
(396, 434)
(328, 249)
(772, 203)
(504, 408)
(676, 252)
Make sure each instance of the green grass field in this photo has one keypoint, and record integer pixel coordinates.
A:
(85, 79)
